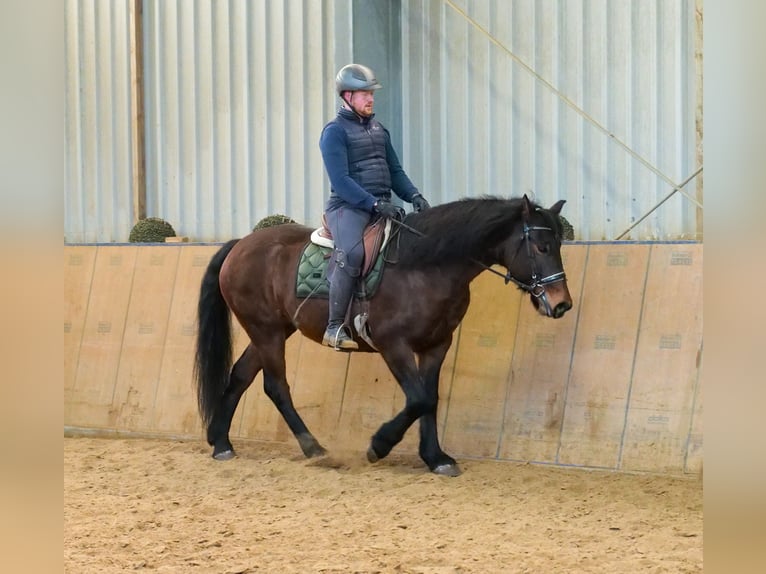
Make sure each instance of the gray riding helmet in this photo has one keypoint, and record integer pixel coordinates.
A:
(355, 77)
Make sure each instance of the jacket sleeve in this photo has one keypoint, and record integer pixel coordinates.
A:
(400, 182)
(334, 149)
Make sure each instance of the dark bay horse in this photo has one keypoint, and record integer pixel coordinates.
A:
(423, 296)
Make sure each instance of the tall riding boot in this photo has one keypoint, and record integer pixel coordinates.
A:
(341, 291)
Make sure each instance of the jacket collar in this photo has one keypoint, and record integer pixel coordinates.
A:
(351, 115)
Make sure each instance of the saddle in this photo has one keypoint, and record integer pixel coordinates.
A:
(311, 277)
(375, 237)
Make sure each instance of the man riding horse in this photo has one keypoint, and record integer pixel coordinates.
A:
(363, 169)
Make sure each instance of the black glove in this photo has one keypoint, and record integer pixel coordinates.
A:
(389, 210)
(419, 203)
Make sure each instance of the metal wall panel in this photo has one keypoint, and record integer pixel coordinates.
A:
(237, 94)
(98, 180)
(479, 122)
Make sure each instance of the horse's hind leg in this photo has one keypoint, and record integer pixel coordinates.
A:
(276, 388)
(242, 374)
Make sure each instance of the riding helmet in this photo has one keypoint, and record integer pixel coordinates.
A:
(355, 77)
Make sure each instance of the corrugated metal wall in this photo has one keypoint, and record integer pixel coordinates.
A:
(236, 94)
(478, 122)
(98, 184)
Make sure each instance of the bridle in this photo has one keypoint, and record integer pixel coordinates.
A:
(537, 287)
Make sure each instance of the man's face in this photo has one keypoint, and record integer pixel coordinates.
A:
(363, 102)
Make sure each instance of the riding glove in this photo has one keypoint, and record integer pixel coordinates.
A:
(419, 203)
(389, 210)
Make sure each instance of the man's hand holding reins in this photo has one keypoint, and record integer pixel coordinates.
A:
(389, 210)
(419, 203)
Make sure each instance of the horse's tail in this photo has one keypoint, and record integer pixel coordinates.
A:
(213, 356)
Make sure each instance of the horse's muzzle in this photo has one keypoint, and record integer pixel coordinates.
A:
(554, 300)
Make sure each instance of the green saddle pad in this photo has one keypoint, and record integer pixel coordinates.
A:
(312, 274)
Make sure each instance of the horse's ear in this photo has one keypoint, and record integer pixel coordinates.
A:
(556, 207)
(527, 207)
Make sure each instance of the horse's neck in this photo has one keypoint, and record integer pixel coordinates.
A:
(461, 273)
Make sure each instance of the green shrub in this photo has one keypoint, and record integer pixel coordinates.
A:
(568, 229)
(271, 220)
(151, 230)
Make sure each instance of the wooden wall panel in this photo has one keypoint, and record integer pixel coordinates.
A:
(665, 372)
(369, 400)
(318, 387)
(482, 367)
(605, 345)
(90, 402)
(175, 408)
(542, 359)
(693, 463)
(144, 339)
(622, 373)
(78, 276)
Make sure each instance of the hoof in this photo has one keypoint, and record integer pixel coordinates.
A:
(310, 446)
(224, 455)
(372, 455)
(315, 451)
(447, 470)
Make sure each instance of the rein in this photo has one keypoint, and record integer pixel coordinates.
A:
(536, 288)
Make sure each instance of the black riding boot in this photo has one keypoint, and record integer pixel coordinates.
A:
(341, 291)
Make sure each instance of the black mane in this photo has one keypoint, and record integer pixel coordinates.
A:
(458, 230)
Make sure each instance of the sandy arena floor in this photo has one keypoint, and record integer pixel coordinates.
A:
(166, 506)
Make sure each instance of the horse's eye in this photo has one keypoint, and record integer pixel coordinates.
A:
(543, 248)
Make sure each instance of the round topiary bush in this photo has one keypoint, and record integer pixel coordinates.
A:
(151, 230)
(271, 220)
(568, 229)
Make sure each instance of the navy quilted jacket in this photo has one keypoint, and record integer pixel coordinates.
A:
(361, 162)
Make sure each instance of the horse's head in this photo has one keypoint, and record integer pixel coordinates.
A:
(532, 255)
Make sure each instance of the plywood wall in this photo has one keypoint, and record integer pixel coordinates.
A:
(616, 383)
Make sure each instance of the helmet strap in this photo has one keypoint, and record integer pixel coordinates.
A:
(350, 105)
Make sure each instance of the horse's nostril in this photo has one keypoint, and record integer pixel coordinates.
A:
(560, 309)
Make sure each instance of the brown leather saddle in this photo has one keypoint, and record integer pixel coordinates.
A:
(375, 237)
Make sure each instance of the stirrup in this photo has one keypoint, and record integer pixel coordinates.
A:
(339, 340)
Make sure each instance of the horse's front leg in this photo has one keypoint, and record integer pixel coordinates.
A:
(401, 363)
(421, 398)
(430, 451)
